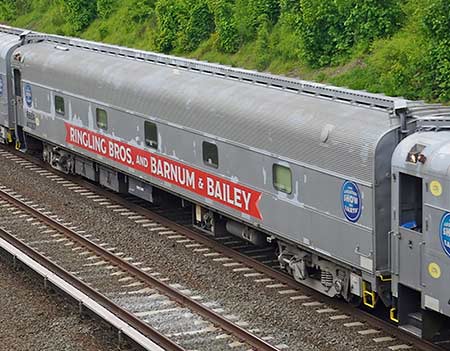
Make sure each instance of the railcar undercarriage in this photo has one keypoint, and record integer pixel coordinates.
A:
(317, 273)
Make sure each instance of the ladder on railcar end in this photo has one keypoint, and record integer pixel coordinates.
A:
(391, 104)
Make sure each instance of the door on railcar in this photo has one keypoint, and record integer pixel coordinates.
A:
(410, 230)
(408, 247)
(18, 107)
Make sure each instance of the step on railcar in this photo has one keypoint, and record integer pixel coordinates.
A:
(349, 187)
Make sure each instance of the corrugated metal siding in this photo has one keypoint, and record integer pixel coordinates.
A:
(6, 42)
(279, 122)
(429, 111)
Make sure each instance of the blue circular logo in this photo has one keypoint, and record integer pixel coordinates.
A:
(444, 231)
(28, 95)
(351, 201)
(1, 86)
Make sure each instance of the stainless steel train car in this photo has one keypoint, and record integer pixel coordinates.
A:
(350, 187)
(9, 40)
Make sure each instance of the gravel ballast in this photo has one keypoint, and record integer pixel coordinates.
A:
(289, 322)
(31, 319)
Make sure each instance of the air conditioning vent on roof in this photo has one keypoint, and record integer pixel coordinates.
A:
(326, 131)
(62, 48)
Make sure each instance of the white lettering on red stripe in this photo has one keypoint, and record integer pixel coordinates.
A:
(223, 191)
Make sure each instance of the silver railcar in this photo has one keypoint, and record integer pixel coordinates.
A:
(9, 40)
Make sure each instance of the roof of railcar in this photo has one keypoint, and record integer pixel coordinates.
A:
(436, 150)
(291, 125)
(7, 41)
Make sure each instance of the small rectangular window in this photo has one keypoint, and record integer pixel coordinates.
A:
(210, 154)
(151, 134)
(102, 119)
(282, 178)
(60, 108)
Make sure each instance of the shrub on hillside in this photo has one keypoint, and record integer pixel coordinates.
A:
(10, 9)
(249, 13)
(322, 32)
(226, 26)
(140, 10)
(198, 27)
(80, 13)
(105, 8)
(437, 24)
(7, 10)
(371, 19)
(170, 14)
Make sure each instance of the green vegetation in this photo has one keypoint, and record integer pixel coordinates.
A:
(398, 47)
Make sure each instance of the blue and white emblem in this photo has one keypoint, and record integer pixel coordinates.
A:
(1, 86)
(444, 231)
(28, 95)
(351, 201)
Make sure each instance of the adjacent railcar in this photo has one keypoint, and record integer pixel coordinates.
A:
(421, 230)
(305, 167)
(9, 40)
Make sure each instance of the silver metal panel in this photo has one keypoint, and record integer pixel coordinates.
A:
(410, 253)
(382, 199)
(109, 178)
(7, 43)
(140, 189)
(282, 123)
(42, 100)
(85, 168)
(436, 286)
(435, 294)
(322, 193)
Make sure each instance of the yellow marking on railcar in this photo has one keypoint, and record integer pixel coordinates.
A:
(435, 270)
(436, 188)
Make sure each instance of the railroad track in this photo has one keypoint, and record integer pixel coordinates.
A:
(262, 266)
(236, 257)
(154, 309)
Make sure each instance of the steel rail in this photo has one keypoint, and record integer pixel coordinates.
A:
(102, 300)
(218, 320)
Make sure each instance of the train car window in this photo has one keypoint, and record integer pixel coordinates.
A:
(60, 108)
(282, 178)
(102, 119)
(210, 154)
(151, 134)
